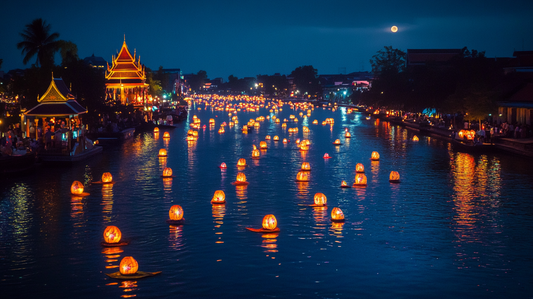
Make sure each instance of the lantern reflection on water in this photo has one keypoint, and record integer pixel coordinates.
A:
(241, 163)
(375, 156)
(337, 215)
(302, 176)
(175, 214)
(359, 168)
(360, 180)
(162, 153)
(241, 180)
(219, 197)
(305, 166)
(320, 200)
(394, 177)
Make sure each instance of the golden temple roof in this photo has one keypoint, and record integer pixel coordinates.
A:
(125, 69)
(57, 92)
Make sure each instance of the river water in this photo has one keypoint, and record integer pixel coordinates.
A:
(458, 225)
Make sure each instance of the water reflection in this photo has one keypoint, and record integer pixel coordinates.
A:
(175, 236)
(269, 243)
(107, 202)
(218, 211)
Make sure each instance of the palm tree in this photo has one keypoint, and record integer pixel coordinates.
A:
(37, 40)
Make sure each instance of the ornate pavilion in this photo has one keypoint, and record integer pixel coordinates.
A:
(126, 79)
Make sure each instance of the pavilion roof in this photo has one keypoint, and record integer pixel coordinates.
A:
(125, 67)
(56, 109)
(57, 92)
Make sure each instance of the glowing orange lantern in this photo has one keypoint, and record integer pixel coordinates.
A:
(167, 172)
(128, 266)
(337, 142)
(219, 197)
(156, 130)
(315, 122)
(270, 222)
(223, 165)
(241, 162)
(276, 138)
(267, 137)
(345, 185)
(107, 178)
(166, 135)
(394, 177)
(337, 215)
(256, 154)
(241, 180)
(360, 180)
(221, 130)
(326, 156)
(359, 168)
(305, 166)
(263, 145)
(375, 156)
(320, 200)
(284, 140)
(77, 188)
(112, 235)
(302, 176)
(415, 138)
(347, 135)
(162, 153)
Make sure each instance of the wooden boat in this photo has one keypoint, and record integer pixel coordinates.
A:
(471, 147)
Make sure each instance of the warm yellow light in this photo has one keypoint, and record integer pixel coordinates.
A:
(112, 234)
(241, 162)
(219, 197)
(107, 177)
(128, 266)
(162, 152)
(375, 156)
(302, 176)
(394, 177)
(175, 213)
(320, 199)
(360, 180)
(305, 166)
(359, 168)
(167, 172)
(76, 188)
(337, 215)
(394, 29)
(270, 222)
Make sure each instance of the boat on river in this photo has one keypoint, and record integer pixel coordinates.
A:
(471, 147)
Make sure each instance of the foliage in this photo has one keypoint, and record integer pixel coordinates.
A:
(155, 88)
(68, 51)
(38, 41)
(388, 61)
(197, 81)
(306, 80)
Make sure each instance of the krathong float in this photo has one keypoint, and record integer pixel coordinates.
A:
(267, 137)
(285, 140)
(128, 270)
(77, 189)
(107, 178)
(241, 180)
(175, 215)
(375, 156)
(256, 154)
(466, 134)
(302, 176)
(162, 153)
(327, 156)
(345, 185)
(112, 236)
(315, 122)
(276, 138)
(415, 138)
(337, 142)
(167, 173)
(263, 145)
(166, 135)
(156, 130)
(337, 215)
(320, 200)
(359, 168)
(394, 177)
(347, 135)
(219, 197)
(223, 166)
(241, 163)
(270, 225)
(305, 167)
(360, 180)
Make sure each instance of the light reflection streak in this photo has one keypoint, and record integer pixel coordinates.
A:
(175, 236)
(107, 202)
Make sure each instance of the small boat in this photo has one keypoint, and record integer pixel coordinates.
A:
(471, 147)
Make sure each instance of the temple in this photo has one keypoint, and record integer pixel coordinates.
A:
(126, 79)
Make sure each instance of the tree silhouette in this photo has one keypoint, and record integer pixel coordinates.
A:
(37, 41)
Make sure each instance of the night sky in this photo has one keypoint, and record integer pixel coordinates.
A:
(248, 38)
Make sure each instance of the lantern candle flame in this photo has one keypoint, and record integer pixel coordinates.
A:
(219, 197)
(337, 215)
(175, 214)
(360, 180)
(241, 180)
(394, 177)
(375, 156)
(77, 189)
(359, 168)
(162, 153)
(320, 200)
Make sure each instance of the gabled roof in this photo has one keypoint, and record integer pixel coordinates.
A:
(125, 67)
(56, 109)
(57, 92)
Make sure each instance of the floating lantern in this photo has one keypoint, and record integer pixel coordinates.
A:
(245, 129)
(326, 156)
(221, 130)
(162, 153)
(285, 140)
(337, 215)
(277, 120)
(284, 126)
(276, 138)
(223, 165)
(305, 129)
(394, 177)
(302, 176)
(305, 166)
(191, 138)
(241, 162)
(360, 180)
(304, 147)
(375, 156)
(175, 215)
(345, 185)
(128, 266)
(107, 178)
(267, 137)
(254, 147)
(347, 135)
(415, 138)
(255, 154)
(359, 168)
(167, 172)
(166, 135)
(263, 145)
(156, 130)
(241, 180)
(320, 200)
(315, 122)
(112, 234)
(270, 225)
(211, 121)
(337, 142)
(219, 197)
(77, 189)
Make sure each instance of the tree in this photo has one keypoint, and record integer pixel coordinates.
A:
(68, 51)
(154, 85)
(198, 80)
(306, 81)
(388, 61)
(37, 41)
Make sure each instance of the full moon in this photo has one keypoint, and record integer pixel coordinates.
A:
(394, 29)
